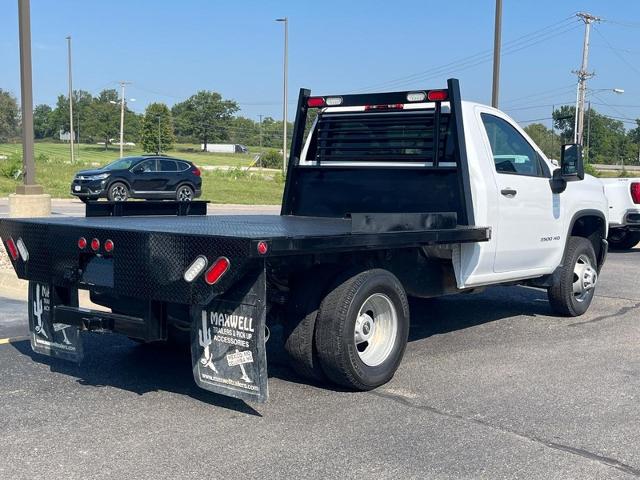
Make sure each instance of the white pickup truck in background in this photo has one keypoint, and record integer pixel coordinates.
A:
(623, 195)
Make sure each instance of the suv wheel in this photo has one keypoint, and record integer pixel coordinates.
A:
(184, 193)
(118, 192)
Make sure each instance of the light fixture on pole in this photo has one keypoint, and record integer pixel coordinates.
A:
(284, 20)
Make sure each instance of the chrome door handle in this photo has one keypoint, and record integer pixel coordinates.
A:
(509, 192)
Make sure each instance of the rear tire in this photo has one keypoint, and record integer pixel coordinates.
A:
(307, 291)
(118, 192)
(623, 239)
(362, 329)
(184, 193)
(575, 286)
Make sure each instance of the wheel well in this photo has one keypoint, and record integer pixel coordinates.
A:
(188, 184)
(119, 180)
(593, 228)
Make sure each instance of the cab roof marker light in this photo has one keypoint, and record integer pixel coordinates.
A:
(217, 270)
(22, 248)
(333, 101)
(195, 269)
(437, 95)
(315, 102)
(11, 246)
(416, 97)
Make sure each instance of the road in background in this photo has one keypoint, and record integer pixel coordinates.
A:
(492, 386)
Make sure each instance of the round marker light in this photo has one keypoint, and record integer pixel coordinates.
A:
(95, 244)
(416, 96)
(263, 248)
(108, 246)
(217, 270)
(82, 243)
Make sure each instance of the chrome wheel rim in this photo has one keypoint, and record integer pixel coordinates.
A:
(185, 194)
(376, 328)
(585, 278)
(119, 193)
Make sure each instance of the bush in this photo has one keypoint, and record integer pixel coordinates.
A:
(11, 167)
(270, 159)
(590, 169)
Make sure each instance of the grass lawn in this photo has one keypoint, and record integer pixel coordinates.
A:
(54, 171)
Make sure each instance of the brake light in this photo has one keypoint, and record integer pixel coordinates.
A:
(82, 243)
(196, 171)
(108, 246)
(437, 95)
(217, 270)
(393, 106)
(95, 244)
(316, 102)
(635, 192)
(11, 246)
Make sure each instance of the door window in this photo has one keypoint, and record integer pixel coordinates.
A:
(168, 166)
(148, 166)
(512, 154)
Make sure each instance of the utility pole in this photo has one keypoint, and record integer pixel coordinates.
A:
(122, 101)
(583, 76)
(497, 40)
(285, 20)
(71, 131)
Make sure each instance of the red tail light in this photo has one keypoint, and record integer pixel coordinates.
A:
(217, 270)
(108, 246)
(95, 244)
(315, 102)
(82, 243)
(437, 95)
(635, 192)
(13, 250)
(196, 171)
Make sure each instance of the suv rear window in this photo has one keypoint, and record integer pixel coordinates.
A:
(168, 166)
(381, 137)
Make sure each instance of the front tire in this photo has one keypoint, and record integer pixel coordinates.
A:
(574, 289)
(623, 239)
(362, 329)
(118, 192)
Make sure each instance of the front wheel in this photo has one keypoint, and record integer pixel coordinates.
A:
(623, 239)
(574, 288)
(362, 329)
(184, 194)
(118, 192)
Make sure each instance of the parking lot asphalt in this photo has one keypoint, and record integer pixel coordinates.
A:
(492, 386)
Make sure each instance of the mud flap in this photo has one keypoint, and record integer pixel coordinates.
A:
(227, 341)
(48, 338)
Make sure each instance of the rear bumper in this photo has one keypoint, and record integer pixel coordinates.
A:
(632, 219)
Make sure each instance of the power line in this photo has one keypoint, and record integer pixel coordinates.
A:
(512, 46)
(616, 52)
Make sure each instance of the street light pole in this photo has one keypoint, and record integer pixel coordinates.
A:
(70, 99)
(26, 101)
(285, 20)
(122, 101)
(497, 34)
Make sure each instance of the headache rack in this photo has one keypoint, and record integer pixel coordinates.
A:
(406, 133)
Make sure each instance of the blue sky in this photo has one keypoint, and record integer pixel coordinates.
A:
(168, 50)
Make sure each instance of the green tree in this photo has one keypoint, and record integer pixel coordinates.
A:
(157, 128)
(204, 116)
(547, 140)
(103, 118)
(9, 116)
(42, 127)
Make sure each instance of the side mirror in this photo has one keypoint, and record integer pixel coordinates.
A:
(558, 182)
(571, 161)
